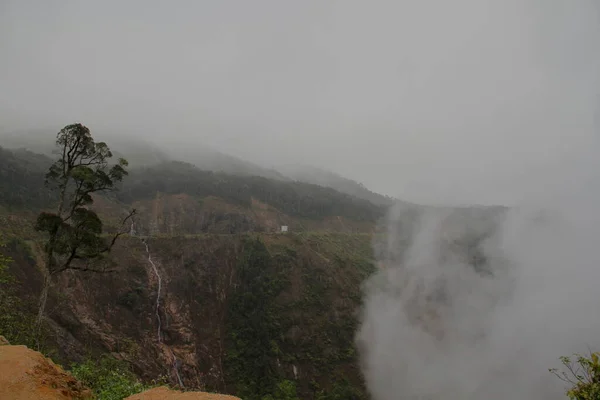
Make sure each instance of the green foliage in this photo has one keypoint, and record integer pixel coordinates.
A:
(329, 299)
(293, 198)
(16, 321)
(286, 390)
(327, 271)
(583, 375)
(253, 324)
(109, 379)
(22, 175)
(21, 179)
(4, 261)
(74, 231)
(341, 390)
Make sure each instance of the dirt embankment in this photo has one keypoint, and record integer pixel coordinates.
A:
(28, 375)
(163, 393)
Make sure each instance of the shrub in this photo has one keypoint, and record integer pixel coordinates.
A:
(286, 390)
(109, 379)
(582, 374)
(17, 323)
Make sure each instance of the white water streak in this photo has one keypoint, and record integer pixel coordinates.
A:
(157, 312)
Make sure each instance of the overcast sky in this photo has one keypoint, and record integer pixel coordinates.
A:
(436, 101)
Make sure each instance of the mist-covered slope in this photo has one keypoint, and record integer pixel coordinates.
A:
(240, 308)
(138, 152)
(322, 177)
(179, 198)
(22, 178)
(293, 198)
(141, 152)
(210, 159)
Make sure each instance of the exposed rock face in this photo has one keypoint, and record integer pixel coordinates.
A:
(116, 313)
(164, 393)
(28, 375)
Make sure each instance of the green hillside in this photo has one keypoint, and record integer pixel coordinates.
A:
(242, 310)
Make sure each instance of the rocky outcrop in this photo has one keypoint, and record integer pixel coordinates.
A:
(28, 375)
(164, 393)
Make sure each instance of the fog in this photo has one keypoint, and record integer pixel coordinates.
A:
(467, 101)
(436, 326)
(447, 102)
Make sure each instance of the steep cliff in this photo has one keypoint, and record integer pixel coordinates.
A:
(232, 313)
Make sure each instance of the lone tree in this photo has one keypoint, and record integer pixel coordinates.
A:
(74, 232)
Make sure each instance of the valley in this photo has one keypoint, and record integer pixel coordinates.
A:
(299, 200)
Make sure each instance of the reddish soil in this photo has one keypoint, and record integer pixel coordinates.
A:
(163, 393)
(28, 375)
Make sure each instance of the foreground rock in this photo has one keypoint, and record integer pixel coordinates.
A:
(163, 393)
(27, 375)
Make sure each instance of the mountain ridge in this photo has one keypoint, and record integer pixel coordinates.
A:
(144, 153)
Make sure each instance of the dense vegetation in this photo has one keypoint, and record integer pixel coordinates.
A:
(270, 334)
(267, 344)
(73, 232)
(17, 320)
(108, 378)
(258, 322)
(254, 323)
(342, 184)
(293, 198)
(22, 179)
(22, 176)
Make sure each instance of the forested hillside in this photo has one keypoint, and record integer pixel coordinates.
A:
(22, 174)
(141, 152)
(240, 313)
(202, 292)
(293, 198)
(22, 178)
(240, 309)
(318, 176)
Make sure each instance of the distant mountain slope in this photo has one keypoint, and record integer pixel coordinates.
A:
(42, 141)
(212, 160)
(140, 152)
(318, 176)
(22, 178)
(298, 199)
(201, 201)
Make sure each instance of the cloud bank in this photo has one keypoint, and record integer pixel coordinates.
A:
(476, 304)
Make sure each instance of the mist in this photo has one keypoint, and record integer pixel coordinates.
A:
(462, 102)
(473, 304)
(449, 102)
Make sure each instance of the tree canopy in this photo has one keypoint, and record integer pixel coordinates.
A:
(74, 231)
(296, 199)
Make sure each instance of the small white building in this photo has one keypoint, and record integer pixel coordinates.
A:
(284, 228)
